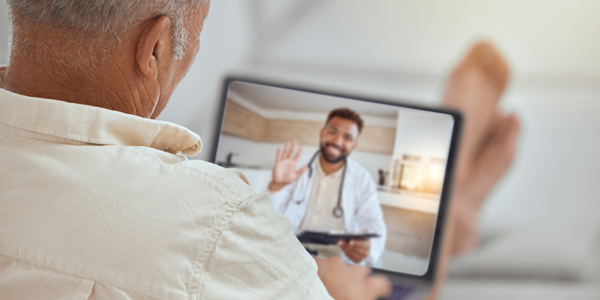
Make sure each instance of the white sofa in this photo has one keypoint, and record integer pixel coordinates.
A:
(529, 264)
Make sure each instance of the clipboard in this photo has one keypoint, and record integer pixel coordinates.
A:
(332, 237)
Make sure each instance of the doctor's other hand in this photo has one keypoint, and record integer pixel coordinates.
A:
(348, 282)
(284, 171)
(356, 250)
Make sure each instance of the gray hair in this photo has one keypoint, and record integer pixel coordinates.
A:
(111, 16)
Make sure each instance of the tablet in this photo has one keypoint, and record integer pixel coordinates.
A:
(371, 171)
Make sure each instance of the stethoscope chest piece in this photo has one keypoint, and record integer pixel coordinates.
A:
(338, 212)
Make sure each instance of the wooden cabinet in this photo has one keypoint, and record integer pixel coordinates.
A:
(242, 122)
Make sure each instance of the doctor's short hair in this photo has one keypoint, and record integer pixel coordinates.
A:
(348, 114)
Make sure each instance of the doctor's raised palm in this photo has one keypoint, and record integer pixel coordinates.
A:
(284, 171)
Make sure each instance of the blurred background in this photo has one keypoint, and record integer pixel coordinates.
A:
(541, 225)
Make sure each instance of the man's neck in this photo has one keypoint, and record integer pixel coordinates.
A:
(33, 77)
(329, 168)
(42, 65)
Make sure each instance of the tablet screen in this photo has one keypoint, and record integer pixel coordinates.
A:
(367, 183)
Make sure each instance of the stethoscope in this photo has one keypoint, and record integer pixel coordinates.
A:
(338, 211)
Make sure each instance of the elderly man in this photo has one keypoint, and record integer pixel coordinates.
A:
(97, 201)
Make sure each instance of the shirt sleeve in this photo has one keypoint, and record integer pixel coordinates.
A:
(258, 257)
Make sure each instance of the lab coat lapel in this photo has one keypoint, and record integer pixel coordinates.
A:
(348, 197)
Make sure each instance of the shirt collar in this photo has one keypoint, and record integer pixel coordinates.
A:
(94, 125)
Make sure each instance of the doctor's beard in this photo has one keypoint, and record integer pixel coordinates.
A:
(335, 160)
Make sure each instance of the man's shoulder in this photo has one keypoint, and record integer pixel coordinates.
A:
(126, 213)
(232, 180)
(360, 175)
(356, 168)
(198, 174)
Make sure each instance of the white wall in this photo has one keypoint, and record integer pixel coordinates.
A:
(247, 152)
(423, 133)
(428, 36)
(4, 34)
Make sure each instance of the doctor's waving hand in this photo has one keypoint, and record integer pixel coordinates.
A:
(333, 192)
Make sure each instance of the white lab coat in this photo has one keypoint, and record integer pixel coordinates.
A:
(359, 202)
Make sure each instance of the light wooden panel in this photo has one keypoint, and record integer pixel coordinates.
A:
(242, 122)
(372, 139)
(377, 139)
(305, 132)
(409, 232)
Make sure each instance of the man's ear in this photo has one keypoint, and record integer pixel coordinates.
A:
(153, 45)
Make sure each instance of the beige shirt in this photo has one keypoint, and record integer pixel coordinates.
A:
(322, 201)
(96, 204)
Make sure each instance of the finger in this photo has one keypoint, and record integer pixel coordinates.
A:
(298, 153)
(363, 243)
(358, 254)
(278, 154)
(353, 257)
(347, 249)
(292, 149)
(379, 286)
(362, 252)
(286, 149)
(301, 171)
(358, 243)
(354, 254)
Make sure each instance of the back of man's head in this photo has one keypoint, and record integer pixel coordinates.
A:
(124, 55)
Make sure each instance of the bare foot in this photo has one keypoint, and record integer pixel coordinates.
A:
(489, 137)
(475, 86)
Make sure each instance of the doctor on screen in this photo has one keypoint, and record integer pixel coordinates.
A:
(332, 192)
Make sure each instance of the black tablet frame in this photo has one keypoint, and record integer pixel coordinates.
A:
(429, 276)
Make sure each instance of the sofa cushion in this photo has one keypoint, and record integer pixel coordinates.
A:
(529, 254)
